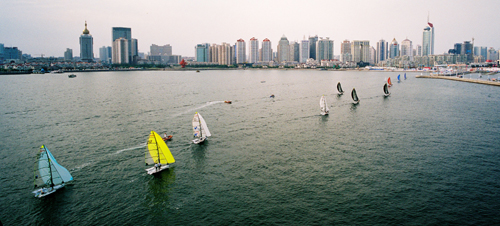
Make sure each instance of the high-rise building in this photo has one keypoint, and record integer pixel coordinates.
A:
(156, 50)
(241, 51)
(492, 54)
(406, 48)
(121, 51)
(135, 51)
(104, 54)
(68, 55)
(345, 51)
(428, 40)
(86, 46)
(266, 53)
(12, 53)
(253, 50)
(202, 52)
(312, 46)
(467, 49)
(2, 53)
(381, 51)
(481, 51)
(360, 51)
(393, 49)
(373, 55)
(419, 50)
(324, 49)
(294, 52)
(126, 33)
(304, 50)
(223, 54)
(283, 50)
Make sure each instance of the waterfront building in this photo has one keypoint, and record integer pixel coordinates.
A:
(393, 49)
(428, 40)
(381, 51)
(360, 51)
(492, 54)
(266, 52)
(68, 55)
(294, 52)
(202, 52)
(345, 51)
(241, 51)
(253, 50)
(135, 51)
(418, 50)
(121, 51)
(2, 53)
(481, 51)
(86, 46)
(406, 48)
(105, 54)
(324, 49)
(223, 54)
(373, 55)
(126, 33)
(283, 49)
(467, 49)
(12, 53)
(457, 48)
(304, 50)
(156, 50)
(312, 46)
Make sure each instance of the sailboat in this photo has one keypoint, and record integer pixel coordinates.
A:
(399, 80)
(405, 76)
(323, 106)
(386, 90)
(49, 175)
(339, 88)
(354, 96)
(157, 153)
(200, 129)
(389, 82)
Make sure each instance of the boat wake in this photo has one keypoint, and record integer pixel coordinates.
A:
(106, 156)
(210, 103)
(129, 149)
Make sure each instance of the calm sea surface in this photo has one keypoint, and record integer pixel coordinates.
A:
(427, 155)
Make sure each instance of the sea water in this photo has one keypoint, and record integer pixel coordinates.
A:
(426, 155)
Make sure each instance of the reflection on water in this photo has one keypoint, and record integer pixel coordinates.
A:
(159, 187)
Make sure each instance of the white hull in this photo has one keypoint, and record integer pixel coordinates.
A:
(324, 113)
(386, 95)
(154, 170)
(48, 191)
(199, 140)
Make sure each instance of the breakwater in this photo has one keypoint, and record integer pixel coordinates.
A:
(484, 82)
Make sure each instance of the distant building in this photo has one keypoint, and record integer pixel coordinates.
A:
(156, 50)
(68, 55)
(467, 49)
(373, 55)
(481, 51)
(428, 40)
(135, 51)
(266, 52)
(121, 51)
(283, 49)
(2, 53)
(492, 54)
(125, 33)
(345, 51)
(312, 46)
(406, 48)
(324, 49)
(304, 51)
(360, 51)
(381, 51)
(419, 50)
(253, 50)
(393, 49)
(86, 46)
(223, 54)
(12, 53)
(104, 54)
(202, 52)
(241, 51)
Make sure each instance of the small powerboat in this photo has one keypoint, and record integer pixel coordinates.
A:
(228, 102)
(169, 137)
(272, 96)
(72, 76)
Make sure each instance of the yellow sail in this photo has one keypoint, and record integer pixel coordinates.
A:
(159, 150)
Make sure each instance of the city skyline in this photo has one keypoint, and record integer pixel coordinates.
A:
(32, 26)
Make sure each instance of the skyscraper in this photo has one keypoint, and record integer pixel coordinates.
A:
(294, 52)
(86, 46)
(104, 54)
(156, 50)
(202, 52)
(126, 33)
(253, 49)
(467, 49)
(324, 49)
(373, 55)
(419, 50)
(345, 51)
(135, 51)
(393, 49)
(360, 51)
(68, 55)
(406, 48)
(241, 51)
(381, 51)
(283, 49)
(266, 53)
(304, 51)
(121, 51)
(312, 46)
(2, 54)
(428, 40)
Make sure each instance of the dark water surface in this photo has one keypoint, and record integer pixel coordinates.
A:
(427, 155)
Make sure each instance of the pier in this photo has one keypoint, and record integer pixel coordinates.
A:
(492, 83)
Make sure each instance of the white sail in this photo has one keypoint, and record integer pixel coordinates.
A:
(204, 128)
(200, 128)
(323, 105)
(50, 173)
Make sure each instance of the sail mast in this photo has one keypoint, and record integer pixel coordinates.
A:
(199, 125)
(50, 171)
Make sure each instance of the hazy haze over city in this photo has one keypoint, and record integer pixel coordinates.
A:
(49, 27)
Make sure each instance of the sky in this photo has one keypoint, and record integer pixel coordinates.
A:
(48, 27)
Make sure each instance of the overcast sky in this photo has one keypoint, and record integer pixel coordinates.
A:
(50, 26)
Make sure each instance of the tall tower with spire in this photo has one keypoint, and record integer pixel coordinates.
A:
(86, 46)
(428, 39)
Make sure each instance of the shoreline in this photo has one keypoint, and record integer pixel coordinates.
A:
(492, 83)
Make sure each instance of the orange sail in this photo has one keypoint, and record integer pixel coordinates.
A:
(389, 81)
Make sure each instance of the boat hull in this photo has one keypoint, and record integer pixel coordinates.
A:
(154, 170)
(38, 193)
(167, 138)
(199, 140)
